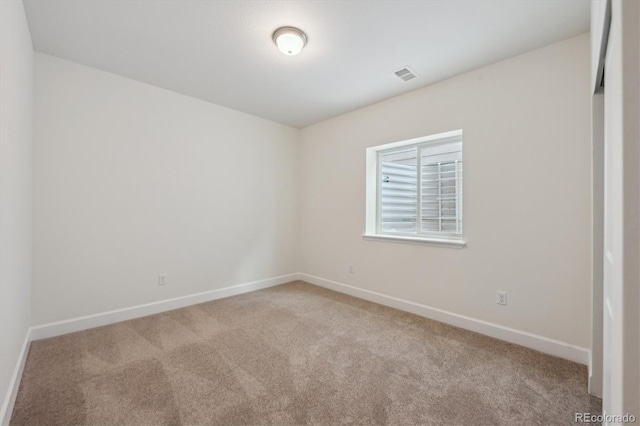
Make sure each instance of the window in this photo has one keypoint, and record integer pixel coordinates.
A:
(414, 190)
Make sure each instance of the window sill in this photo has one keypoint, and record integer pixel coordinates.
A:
(439, 242)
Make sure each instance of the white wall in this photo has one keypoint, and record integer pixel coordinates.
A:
(132, 181)
(527, 218)
(16, 135)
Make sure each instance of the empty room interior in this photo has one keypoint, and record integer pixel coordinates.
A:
(319, 212)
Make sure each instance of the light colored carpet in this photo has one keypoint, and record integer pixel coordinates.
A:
(293, 354)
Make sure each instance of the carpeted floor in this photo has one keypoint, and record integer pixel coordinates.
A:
(293, 354)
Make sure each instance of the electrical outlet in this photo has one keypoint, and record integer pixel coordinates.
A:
(351, 268)
(501, 298)
(162, 279)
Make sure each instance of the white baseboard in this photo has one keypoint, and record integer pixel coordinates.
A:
(14, 383)
(522, 338)
(110, 317)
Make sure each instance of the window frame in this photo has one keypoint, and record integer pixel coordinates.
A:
(374, 200)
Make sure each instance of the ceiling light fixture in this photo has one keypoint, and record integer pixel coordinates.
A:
(289, 40)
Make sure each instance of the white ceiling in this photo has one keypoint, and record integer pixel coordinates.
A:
(221, 51)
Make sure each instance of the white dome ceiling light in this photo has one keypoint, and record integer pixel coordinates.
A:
(289, 40)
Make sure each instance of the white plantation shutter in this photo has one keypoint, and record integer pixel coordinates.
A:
(441, 197)
(441, 180)
(399, 191)
(421, 189)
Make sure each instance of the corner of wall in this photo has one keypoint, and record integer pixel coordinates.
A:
(16, 197)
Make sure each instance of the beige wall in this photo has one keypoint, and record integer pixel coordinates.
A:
(16, 136)
(527, 220)
(132, 181)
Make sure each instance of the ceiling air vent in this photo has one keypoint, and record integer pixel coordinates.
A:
(406, 74)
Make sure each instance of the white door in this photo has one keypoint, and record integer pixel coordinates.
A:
(612, 391)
